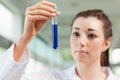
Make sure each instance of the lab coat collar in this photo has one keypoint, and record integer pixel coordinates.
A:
(72, 72)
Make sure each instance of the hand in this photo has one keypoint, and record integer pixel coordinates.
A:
(35, 19)
(37, 16)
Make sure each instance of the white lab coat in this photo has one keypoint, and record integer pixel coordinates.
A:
(11, 70)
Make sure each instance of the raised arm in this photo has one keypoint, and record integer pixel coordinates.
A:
(35, 19)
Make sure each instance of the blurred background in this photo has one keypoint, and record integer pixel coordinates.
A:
(43, 56)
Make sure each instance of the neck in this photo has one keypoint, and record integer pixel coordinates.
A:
(90, 72)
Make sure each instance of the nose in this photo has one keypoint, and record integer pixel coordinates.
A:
(82, 41)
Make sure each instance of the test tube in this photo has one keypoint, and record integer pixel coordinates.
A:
(55, 32)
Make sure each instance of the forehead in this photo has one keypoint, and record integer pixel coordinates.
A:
(90, 22)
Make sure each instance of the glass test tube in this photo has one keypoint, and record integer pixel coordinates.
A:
(55, 32)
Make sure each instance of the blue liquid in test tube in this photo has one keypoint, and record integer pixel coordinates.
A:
(55, 33)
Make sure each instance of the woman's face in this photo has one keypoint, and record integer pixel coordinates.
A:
(87, 40)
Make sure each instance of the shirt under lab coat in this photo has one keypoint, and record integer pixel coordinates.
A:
(11, 70)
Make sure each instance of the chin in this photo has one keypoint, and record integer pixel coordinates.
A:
(79, 59)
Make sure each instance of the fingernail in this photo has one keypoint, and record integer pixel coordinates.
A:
(53, 14)
(58, 12)
(53, 10)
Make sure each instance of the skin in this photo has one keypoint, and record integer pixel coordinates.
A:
(87, 43)
(38, 15)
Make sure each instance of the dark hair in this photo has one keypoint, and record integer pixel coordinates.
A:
(107, 27)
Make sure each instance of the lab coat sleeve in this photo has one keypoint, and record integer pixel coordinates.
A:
(9, 69)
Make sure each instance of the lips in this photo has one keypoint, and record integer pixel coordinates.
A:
(81, 52)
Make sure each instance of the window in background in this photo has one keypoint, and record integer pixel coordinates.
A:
(2, 50)
(44, 53)
(6, 22)
(115, 60)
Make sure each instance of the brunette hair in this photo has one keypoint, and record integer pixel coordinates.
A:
(107, 27)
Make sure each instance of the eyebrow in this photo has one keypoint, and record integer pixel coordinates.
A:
(91, 30)
(76, 28)
(79, 29)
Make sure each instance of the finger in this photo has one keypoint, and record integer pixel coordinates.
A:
(41, 7)
(37, 18)
(57, 13)
(41, 12)
(48, 3)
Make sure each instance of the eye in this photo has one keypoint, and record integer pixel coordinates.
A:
(91, 36)
(76, 34)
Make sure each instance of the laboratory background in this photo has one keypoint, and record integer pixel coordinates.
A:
(43, 56)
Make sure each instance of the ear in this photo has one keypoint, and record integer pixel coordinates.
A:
(107, 44)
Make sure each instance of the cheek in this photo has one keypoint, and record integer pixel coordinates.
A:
(97, 44)
(96, 47)
(95, 51)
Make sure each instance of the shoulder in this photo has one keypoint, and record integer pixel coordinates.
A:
(70, 74)
(43, 75)
(51, 75)
(111, 75)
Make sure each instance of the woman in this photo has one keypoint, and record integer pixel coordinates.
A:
(90, 40)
